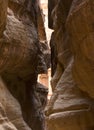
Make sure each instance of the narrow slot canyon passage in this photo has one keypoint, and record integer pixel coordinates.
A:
(46, 78)
(46, 64)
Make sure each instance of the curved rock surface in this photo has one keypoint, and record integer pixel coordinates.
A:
(21, 60)
(72, 104)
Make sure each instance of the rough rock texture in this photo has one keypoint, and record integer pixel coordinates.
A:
(5, 124)
(21, 60)
(12, 108)
(72, 104)
(3, 15)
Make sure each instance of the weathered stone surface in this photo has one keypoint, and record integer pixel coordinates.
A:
(21, 60)
(4, 122)
(12, 108)
(3, 15)
(20, 38)
(51, 5)
(83, 36)
(72, 104)
(53, 54)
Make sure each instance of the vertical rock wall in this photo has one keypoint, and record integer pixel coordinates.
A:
(21, 60)
(72, 104)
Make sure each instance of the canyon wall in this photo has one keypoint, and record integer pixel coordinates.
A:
(22, 48)
(72, 104)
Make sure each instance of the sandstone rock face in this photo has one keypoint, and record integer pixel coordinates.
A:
(12, 108)
(5, 124)
(3, 15)
(72, 104)
(21, 60)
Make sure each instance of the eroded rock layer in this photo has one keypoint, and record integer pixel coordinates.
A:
(21, 60)
(72, 104)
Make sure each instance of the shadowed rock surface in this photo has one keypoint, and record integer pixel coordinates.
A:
(21, 60)
(72, 104)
